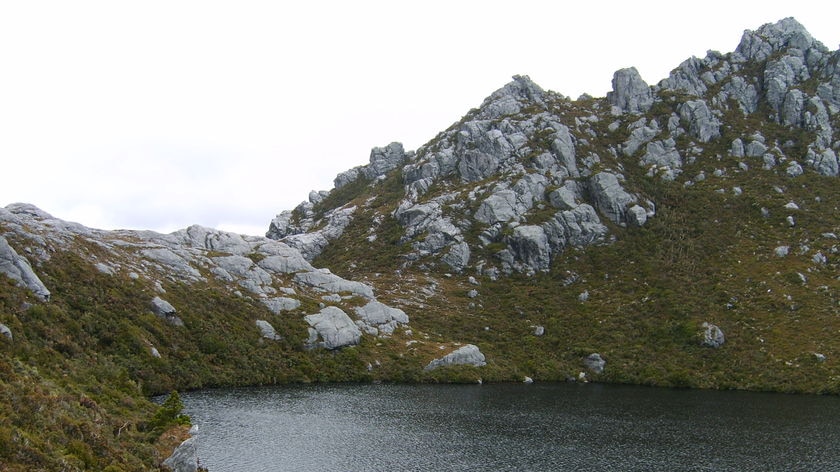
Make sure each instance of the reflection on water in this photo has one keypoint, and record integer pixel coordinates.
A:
(512, 428)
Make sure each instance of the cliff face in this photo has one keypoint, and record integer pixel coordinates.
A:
(680, 234)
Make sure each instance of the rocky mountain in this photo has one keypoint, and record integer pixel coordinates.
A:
(653, 220)
(679, 234)
(535, 173)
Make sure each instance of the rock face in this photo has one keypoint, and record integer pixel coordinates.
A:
(18, 269)
(465, 355)
(333, 327)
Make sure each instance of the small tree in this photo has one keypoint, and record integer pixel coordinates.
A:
(169, 414)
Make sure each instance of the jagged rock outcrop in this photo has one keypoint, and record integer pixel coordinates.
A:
(18, 269)
(465, 355)
(702, 124)
(610, 197)
(382, 160)
(298, 235)
(630, 93)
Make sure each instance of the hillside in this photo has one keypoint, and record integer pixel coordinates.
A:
(682, 234)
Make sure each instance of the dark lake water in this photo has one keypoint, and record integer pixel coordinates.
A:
(539, 427)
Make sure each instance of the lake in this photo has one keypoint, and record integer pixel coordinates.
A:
(512, 427)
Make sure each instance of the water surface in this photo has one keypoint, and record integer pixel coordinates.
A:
(539, 427)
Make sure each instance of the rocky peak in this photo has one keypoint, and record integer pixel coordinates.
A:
(773, 37)
(511, 98)
(530, 173)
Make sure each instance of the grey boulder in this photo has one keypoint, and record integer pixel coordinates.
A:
(465, 355)
(380, 317)
(333, 327)
(268, 331)
(595, 363)
(165, 310)
(712, 336)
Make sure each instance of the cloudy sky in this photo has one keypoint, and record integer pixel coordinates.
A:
(161, 114)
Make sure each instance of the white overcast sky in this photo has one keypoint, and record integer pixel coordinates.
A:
(161, 114)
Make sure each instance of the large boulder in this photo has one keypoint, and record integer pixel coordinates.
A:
(466, 355)
(17, 268)
(333, 327)
(663, 154)
(278, 305)
(578, 227)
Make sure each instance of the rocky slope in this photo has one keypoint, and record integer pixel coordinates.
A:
(702, 205)
(681, 234)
